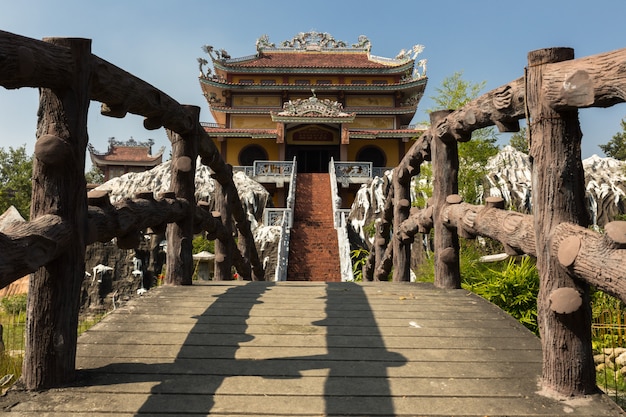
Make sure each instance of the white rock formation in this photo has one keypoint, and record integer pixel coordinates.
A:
(254, 197)
(510, 178)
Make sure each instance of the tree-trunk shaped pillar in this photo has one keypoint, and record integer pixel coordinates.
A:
(59, 188)
(558, 197)
(401, 208)
(381, 240)
(224, 248)
(445, 159)
(180, 234)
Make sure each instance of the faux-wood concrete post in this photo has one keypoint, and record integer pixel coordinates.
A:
(179, 235)
(558, 197)
(401, 209)
(224, 248)
(445, 159)
(380, 243)
(59, 188)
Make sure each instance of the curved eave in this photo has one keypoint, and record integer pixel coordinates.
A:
(152, 162)
(413, 84)
(381, 134)
(241, 133)
(355, 110)
(386, 70)
(312, 119)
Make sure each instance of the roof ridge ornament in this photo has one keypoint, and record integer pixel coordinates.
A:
(313, 106)
(312, 41)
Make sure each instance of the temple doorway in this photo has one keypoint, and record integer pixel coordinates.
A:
(313, 159)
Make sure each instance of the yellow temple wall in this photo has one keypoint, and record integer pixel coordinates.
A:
(388, 146)
(235, 145)
(243, 121)
(369, 101)
(257, 101)
(365, 122)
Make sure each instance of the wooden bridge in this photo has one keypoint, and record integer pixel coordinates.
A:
(427, 356)
(307, 349)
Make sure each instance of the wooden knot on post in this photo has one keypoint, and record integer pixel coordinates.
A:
(494, 202)
(568, 251)
(565, 300)
(454, 199)
(98, 198)
(53, 151)
(171, 195)
(404, 203)
(183, 164)
(615, 233)
(448, 255)
(451, 199)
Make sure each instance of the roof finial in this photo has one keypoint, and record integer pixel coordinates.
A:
(313, 92)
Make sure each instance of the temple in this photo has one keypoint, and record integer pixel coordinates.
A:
(124, 157)
(313, 98)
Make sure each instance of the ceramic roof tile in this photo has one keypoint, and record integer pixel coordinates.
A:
(313, 60)
(130, 154)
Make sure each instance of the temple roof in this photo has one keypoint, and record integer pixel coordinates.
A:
(307, 59)
(127, 153)
(313, 50)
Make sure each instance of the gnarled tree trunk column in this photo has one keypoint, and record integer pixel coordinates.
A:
(179, 235)
(224, 248)
(401, 207)
(59, 188)
(558, 196)
(380, 243)
(445, 159)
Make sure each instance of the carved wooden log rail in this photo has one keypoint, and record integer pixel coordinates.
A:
(569, 256)
(27, 246)
(26, 62)
(64, 220)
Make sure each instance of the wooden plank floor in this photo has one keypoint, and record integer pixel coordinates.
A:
(308, 349)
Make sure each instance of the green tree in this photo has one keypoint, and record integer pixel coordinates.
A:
(519, 142)
(453, 94)
(94, 175)
(16, 171)
(616, 147)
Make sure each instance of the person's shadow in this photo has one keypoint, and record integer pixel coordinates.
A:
(357, 358)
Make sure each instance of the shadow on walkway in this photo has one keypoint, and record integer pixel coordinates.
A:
(207, 359)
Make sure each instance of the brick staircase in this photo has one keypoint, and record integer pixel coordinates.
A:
(313, 247)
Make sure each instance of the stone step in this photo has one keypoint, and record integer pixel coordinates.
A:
(314, 253)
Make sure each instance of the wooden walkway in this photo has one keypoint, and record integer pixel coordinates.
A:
(307, 349)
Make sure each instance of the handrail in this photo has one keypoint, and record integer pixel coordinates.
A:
(339, 219)
(285, 227)
(70, 77)
(570, 257)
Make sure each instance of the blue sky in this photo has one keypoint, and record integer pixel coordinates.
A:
(159, 42)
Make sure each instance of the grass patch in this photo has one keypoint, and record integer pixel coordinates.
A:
(13, 320)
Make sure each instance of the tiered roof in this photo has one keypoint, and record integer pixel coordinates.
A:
(307, 55)
(129, 153)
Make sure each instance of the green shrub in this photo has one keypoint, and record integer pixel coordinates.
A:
(14, 304)
(513, 288)
(359, 258)
(201, 243)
